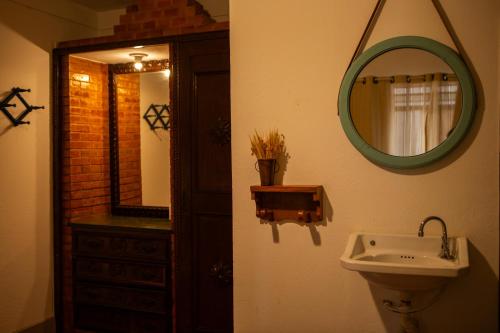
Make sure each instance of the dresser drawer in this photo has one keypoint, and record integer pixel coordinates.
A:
(122, 272)
(102, 319)
(121, 245)
(124, 298)
(110, 320)
(147, 323)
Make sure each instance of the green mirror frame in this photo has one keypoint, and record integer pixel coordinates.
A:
(442, 51)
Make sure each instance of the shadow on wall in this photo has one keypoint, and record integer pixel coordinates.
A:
(39, 297)
(4, 129)
(315, 235)
(471, 297)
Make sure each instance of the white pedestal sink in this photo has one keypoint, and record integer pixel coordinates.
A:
(404, 262)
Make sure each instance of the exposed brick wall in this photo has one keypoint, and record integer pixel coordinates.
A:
(86, 182)
(157, 18)
(87, 140)
(129, 137)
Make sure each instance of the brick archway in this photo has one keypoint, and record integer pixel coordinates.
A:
(157, 18)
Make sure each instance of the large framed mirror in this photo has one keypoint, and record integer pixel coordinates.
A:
(131, 93)
(139, 103)
(407, 102)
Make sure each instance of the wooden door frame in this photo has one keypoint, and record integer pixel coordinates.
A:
(58, 146)
(185, 311)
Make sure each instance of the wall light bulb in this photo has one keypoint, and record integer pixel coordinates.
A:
(138, 65)
(166, 73)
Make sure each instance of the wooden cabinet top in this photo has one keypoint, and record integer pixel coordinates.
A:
(124, 222)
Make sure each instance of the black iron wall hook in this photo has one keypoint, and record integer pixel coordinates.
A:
(5, 104)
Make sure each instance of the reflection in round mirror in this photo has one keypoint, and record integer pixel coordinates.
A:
(405, 102)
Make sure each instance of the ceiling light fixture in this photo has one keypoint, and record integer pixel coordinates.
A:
(138, 60)
(138, 47)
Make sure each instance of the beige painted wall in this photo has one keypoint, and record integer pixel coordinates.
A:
(28, 35)
(287, 63)
(218, 9)
(155, 145)
(106, 20)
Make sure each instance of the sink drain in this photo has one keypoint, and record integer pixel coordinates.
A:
(407, 257)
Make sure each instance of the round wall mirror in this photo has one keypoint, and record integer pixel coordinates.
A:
(407, 101)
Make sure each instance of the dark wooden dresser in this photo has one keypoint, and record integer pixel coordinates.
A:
(122, 275)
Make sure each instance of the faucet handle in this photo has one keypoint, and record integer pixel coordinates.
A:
(445, 249)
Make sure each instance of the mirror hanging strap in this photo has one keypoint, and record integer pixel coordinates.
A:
(442, 15)
(366, 34)
(454, 37)
(368, 30)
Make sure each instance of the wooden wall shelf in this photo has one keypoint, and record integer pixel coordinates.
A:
(303, 203)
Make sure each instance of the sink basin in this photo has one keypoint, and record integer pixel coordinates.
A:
(404, 262)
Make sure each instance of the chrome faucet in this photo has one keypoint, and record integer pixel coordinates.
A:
(445, 254)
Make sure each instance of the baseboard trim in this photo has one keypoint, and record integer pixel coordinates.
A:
(48, 326)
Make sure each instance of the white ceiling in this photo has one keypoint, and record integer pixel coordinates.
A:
(118, 56)
(103, 5)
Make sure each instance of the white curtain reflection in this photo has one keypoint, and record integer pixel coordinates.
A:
(403, 115)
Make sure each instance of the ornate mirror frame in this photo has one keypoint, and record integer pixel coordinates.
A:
(116, 207)
(450, 57)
